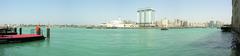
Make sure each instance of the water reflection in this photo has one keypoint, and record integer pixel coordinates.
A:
(235, 45)
(130, 43)
(10, 49)
(48, 42)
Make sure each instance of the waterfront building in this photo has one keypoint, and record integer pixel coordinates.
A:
(146, 17)
(164, 23)
(236, 15)
(114, 23)
(197, 24)
(178, 23)
(118, 23)
(211, 24)
(219, 23)
(185, 24)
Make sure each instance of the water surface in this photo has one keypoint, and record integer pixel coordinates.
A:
(125, 42)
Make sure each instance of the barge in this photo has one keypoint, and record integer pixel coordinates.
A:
(10, 35)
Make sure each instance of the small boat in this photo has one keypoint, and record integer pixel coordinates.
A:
(164, 29)
(89, 27)
(226, 28)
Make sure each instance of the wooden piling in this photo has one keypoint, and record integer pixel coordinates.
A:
(15, 30)
(20, 30)
(48, 32)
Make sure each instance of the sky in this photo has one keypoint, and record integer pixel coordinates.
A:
(100, 11)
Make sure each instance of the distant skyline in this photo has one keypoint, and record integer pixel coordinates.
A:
(99, 11)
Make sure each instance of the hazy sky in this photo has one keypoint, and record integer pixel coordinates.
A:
(98, 11)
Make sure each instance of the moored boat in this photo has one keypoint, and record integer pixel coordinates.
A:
(164, 29)
(226, 28)
(10, 35)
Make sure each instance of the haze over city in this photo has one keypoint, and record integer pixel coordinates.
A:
(99, 11)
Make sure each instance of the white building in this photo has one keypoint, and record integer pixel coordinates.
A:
(164, 23)
(117, 23)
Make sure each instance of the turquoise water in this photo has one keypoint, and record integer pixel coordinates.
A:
(125, 42)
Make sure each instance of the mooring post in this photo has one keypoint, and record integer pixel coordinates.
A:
(20, 30)
(15, 30)
(48, 32)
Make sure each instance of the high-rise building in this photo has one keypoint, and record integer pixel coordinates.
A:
(146, 17)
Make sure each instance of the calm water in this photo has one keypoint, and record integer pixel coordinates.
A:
(125, 42)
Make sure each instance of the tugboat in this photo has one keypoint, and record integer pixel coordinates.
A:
(226, 28)
(10, 35)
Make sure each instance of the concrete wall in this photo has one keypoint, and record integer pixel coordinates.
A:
(236, 15)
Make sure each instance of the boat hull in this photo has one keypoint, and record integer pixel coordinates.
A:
(20, 38)
(226, 29)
